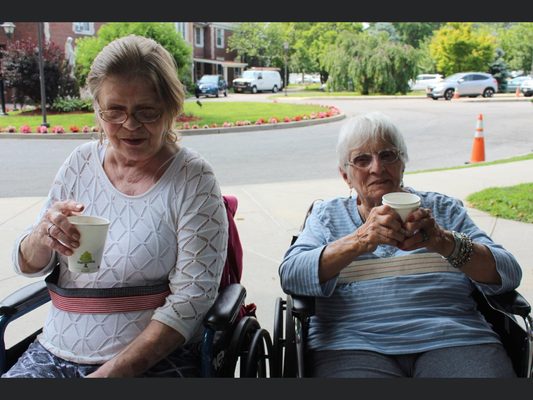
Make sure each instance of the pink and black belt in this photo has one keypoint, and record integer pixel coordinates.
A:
(105, 300)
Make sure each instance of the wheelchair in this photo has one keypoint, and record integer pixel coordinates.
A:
(507, 313)
(233, 342)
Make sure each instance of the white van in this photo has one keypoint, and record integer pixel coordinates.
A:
(258, 80)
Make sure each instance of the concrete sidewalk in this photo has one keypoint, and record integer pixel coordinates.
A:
(269, 214)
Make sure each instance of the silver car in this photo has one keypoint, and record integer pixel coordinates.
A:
(471, 84)
(527, 87)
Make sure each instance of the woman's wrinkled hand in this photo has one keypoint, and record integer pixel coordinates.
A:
(423, 231)
(382, 226)
(54, 229)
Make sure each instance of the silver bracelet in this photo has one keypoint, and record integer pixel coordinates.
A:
(462, 251)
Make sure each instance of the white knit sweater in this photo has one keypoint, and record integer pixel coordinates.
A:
(175, 232)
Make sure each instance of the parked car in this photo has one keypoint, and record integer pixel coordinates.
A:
(211, 85)
(527, 87)
(513, 84)
(422, 81)
(471, 84)
(254, 81)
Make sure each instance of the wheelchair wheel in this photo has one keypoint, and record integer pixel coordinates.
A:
(290, 360)
(255, 365)
(277, 339)
(239, 344)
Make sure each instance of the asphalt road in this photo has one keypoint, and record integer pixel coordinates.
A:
(438, 134)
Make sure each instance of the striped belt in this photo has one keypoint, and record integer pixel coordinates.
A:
(105, 300)
(403, 265)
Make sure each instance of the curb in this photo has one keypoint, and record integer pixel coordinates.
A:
(462, 99)
(182, 132)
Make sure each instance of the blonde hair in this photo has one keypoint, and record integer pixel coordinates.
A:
(137, 56)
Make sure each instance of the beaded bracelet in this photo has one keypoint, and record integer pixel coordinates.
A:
(462, 251)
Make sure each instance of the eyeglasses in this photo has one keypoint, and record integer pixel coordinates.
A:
(386, 156)
(143, 116)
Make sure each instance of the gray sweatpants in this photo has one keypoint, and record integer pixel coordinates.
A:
(479, 361)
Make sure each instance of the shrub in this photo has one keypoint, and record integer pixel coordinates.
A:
(68, 104)
(20, 68)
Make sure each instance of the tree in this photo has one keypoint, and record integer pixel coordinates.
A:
(517, 43)
(163, 33)
(259, 44)
(370, 63)
(499, 70)
(459, 47)
(20, 68)
(415, 33)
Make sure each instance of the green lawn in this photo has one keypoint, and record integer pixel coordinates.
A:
(211, 112)
(514, 202)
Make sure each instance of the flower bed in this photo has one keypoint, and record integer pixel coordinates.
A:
(187, 122)
(58, 129)
(329, 112)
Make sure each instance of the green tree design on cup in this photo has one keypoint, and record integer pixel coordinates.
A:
(86, 258)
(93, 233)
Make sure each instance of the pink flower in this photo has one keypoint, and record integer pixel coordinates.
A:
(226, 124)
(42, 129)
(186, 125)
(74, 128)
(25, 129)
(312, 115)
(286, 119)
(85, 129)
(273, 120)
(58, 129)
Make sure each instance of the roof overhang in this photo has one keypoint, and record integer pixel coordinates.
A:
(229, 64)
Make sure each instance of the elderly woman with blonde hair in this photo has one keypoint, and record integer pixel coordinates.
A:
(167, 239)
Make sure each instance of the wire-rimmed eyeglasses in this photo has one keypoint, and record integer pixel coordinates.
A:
(363, 160)
(143, 115)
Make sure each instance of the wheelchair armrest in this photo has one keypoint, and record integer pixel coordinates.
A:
(226, 308)
(25, 299)
(511, 302)
(303, 306)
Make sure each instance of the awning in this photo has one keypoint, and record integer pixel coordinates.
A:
(227, 64)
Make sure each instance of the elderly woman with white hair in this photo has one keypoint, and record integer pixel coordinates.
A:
(393, 297)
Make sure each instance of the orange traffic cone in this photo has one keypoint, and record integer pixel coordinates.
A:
(478, 148)
(517, 92)
(456, 94)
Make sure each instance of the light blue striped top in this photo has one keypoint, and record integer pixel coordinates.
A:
(399, 314)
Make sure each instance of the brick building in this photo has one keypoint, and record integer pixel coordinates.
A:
(208, 41)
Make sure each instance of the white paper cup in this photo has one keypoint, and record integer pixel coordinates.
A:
(403, 203)
(93, 233)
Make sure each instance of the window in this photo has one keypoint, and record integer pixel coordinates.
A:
(198, 36)
(219, 33)
(83, 28)
(180, 28)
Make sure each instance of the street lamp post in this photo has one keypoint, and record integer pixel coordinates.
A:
(286, 48)
(41, 73)
(9, 29)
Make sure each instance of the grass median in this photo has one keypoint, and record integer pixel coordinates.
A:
(210, 112)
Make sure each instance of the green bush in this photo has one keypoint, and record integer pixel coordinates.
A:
(68, 104)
